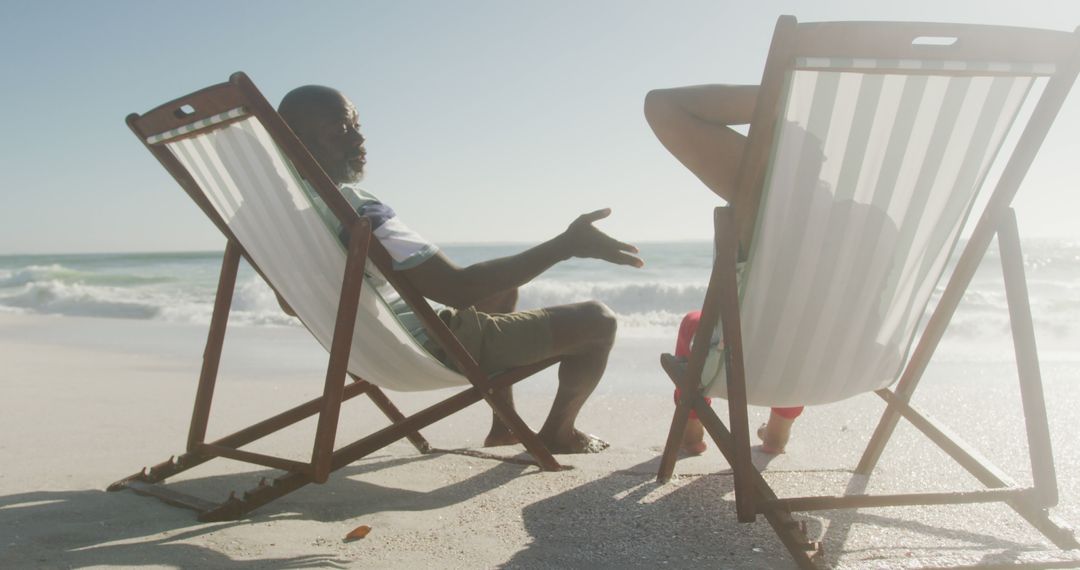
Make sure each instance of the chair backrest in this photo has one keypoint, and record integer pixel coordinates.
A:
(238, 160)
(880, 139)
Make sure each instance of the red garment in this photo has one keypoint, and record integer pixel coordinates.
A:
(687, 329)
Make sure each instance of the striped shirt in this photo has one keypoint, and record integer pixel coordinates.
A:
(407, 248)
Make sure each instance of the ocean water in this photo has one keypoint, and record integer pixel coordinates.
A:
(179, 287)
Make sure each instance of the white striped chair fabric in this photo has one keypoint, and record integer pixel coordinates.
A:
(871, 178)
(256, 191)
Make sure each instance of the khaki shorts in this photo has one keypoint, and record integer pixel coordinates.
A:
(499, 341)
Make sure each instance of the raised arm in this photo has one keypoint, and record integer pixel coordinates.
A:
(441, 280)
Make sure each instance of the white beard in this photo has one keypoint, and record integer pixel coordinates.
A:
(351, 175)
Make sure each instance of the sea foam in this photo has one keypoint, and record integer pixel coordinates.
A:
(648, 303)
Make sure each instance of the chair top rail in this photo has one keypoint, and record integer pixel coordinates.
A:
(924, 42)
(218, 106)
(946, 67)
(200, 126)
(932, 41)
(183, 112)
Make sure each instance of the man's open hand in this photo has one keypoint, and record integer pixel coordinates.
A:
(584, 240)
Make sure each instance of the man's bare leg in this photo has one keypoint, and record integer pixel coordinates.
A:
(694, 124)
(584, 334)
(505, 302)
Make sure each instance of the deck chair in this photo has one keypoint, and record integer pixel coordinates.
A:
(242, 165)
(868, 147)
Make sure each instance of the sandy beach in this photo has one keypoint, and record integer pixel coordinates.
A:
(86, 401)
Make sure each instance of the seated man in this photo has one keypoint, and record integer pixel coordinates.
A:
(482, 296)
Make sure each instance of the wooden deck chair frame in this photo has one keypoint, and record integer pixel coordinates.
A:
(733, 230)
(189, 115)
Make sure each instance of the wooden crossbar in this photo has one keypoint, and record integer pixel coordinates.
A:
(836, 502)
(301, 475)
(252, 457)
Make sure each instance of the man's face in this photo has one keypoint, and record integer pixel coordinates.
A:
(336, 143)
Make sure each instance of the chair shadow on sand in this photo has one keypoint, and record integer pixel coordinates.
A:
(623, 519)
(90, 527)
(626, 519)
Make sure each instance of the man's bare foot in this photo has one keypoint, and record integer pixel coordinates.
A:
(576, 442)
(774, 434)
(500, 436)
(693, 440)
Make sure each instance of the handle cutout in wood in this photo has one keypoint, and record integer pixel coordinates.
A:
(184, 112)
(934, 41)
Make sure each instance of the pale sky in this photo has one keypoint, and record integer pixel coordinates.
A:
(486, 120)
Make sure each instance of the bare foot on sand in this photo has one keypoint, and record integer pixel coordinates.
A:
(774, 435)
(576, 442)
(500, 436)
(693, 439)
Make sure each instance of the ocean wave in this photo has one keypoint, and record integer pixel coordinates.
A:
(58, 297)
(643, 309)
(4, 309)
(253, 302)
(179, 289)
(627, 298)
(33, 273)
(62, 274)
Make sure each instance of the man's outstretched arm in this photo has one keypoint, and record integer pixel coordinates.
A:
(441, 280)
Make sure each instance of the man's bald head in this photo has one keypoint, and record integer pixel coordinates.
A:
(326, 122)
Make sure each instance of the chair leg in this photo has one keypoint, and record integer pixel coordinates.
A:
(337, 370)
(728, 301)
(790, 532)
(958, 283)
(676, 372)
(1027, 362)
(200, 415)
(884, 430)
(674, 441)
(743, 464)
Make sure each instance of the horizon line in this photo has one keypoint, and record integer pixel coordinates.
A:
(198, 251)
